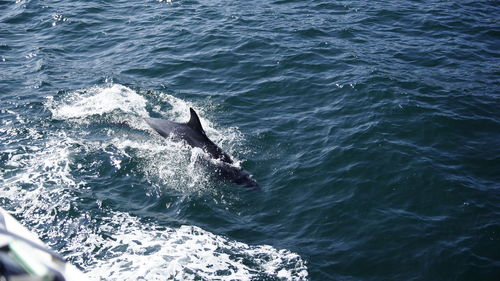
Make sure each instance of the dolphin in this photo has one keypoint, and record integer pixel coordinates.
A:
(193, 134)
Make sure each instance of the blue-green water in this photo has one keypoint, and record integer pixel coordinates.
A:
(372, 128)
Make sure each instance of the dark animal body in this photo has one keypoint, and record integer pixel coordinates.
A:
(193, 134)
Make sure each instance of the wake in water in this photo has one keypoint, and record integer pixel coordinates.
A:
(46, 179)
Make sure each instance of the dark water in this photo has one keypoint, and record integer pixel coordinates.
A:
(372, 128)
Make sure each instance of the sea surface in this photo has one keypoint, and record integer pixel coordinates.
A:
(372, 128)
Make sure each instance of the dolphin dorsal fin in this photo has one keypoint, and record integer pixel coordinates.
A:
(194, 122)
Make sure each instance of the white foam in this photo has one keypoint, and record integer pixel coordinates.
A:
(139, 251)
(98, 100)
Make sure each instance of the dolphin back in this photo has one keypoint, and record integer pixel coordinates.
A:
(164, 127)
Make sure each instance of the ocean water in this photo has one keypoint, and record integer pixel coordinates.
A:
(372, 128)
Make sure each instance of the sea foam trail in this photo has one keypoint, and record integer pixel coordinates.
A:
(40, 186)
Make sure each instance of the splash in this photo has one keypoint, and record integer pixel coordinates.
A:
(164, 163)
(97, 101)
